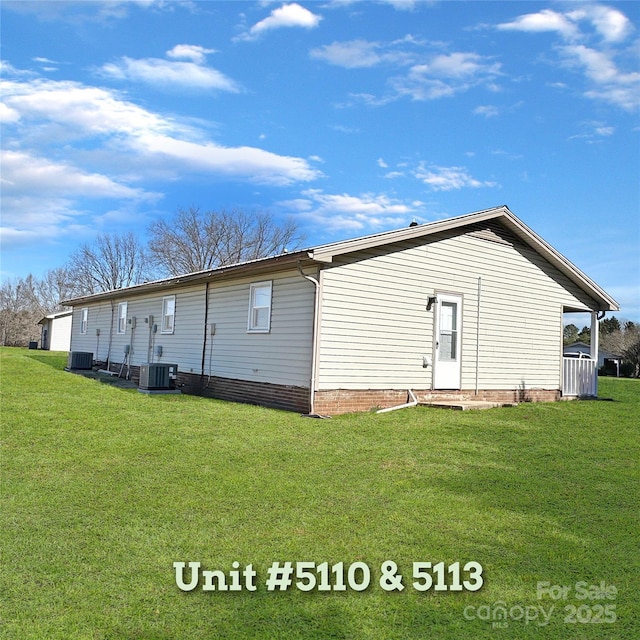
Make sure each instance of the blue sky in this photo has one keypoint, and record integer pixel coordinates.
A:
(352, 117)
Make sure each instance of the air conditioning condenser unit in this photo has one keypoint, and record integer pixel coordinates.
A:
(80, 360)
(157, 376)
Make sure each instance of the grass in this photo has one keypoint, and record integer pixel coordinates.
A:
(104, 488)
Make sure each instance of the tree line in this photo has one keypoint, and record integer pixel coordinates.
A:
(192, 240)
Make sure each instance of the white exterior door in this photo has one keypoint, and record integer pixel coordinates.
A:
(446, 374)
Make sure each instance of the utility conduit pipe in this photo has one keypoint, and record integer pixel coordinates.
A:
(406, 405)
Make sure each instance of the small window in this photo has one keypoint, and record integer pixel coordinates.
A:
(168, 313)
(84, 320)
(122, 317)
(260, 307)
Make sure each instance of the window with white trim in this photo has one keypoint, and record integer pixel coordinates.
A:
(168, 314)
(260, 307)
(122, 317)
(84, 319)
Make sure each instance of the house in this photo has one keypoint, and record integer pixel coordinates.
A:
(470, 307)
(606, 359)
(55, 334)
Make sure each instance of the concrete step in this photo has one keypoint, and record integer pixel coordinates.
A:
(465, 405)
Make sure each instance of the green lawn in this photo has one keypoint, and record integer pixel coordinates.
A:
(104, 488)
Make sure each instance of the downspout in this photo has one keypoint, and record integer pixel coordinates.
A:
(406, 405)
(478, 333)
(314, 341)
(204, 341)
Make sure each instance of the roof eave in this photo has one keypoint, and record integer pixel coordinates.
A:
(563, 264)
(606, 303)
(326, 253)
(253, 267)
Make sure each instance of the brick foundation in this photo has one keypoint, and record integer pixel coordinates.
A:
(332, 402)
(346, 401)
(277, 396)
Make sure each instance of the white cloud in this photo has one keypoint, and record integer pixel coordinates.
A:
(288, 15)
(507, 154)
(84, 110)
(70, 112)
(446, 75)
(7, 114)
(609, 84)
(359, 53)
(448, 178)
(168, 74)
(41, 198)
(486, 110)
(402, 5)
(44, 60)
(610, 23)
(249, 163)
(24, 173)
(351, 55)
(193, 52)
(399, 5)
(347, 212)
(545, 20)
(460, 65)
(593, 132)
(123, 144)
(94, 11)
(423, 76)
(590, 33)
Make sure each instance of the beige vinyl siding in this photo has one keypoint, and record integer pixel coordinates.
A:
(376, 330)
(281, 356)
(183, 347)
(99, 317)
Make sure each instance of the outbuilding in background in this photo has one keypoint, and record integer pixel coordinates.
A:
(56, 331)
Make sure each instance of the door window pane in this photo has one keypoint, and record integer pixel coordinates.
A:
(448, 339)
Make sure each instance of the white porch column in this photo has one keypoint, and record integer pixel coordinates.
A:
(595, 339)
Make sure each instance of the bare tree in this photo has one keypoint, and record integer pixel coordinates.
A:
(19, 312)
(195, 240)
(112, 262)
(56, 285)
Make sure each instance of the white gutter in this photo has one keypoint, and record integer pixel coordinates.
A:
(406, 405)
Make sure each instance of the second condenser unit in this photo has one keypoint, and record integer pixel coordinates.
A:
(158, 376)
